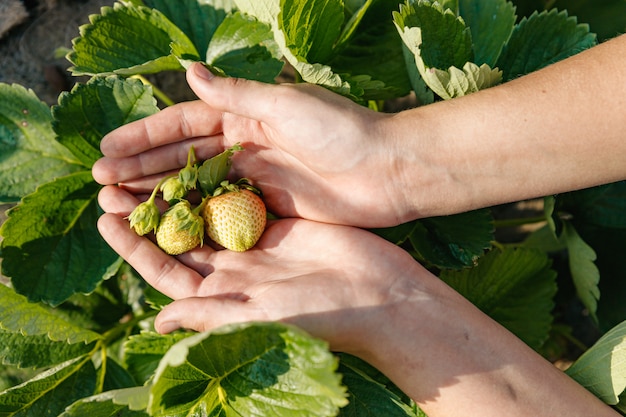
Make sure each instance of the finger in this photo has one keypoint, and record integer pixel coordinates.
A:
(172, 124)
(203, 314)
(114, 200)
(163, 272)
(157, 162)
(233, 95)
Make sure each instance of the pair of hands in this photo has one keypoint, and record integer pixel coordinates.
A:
(321, 164)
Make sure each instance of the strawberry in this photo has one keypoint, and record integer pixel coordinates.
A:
(180, 229)
(234, 217)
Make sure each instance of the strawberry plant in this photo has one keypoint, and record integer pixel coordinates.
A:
(76, 320)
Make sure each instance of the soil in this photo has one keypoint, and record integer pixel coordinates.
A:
(31, 33)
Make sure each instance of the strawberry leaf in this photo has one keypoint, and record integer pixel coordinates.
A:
(215, 169)
(127, 39)
(198, 19)
(92, 110)
(143, 352)
(453, 242)
(128, 402)
(602, 368)
(441, 45)
(543, 39)
(373, 48)
(18, 316)
(244, 47)
(37, 351)
(491, 23)
(51, 247)
(311, 28)
(585, 273)
(248, 369)
(439, 38)
(48, 393)
(263, 10)
(603, 206)
(29, 154)
(368, 396)
(515, 287)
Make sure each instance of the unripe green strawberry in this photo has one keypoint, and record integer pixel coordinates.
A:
(180, 229)
(173, 190)
(235, 219)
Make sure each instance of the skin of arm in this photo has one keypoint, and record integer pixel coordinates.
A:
(363, 295)
(555, 130)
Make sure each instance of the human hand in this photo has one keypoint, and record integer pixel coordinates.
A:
(313, 153)
(336, 282)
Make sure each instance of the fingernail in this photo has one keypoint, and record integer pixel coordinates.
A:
(202, 72)
(168, 327)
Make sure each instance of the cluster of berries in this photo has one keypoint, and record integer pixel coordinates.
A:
(231, 214)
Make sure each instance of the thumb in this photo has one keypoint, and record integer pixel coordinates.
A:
(206, 313)
(239, 96)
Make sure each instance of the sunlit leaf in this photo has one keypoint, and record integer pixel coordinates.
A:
(29, 153)
(127, 39)
(18, 316)
(515, 287)
(543, 39)
(51, 246)
(92, 110)
(48, 393)
(602, 368)
(247, 369)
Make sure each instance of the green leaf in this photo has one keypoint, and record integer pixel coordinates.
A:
(37, 351)
(115, 375)
(441, 44)
(143, 352)
(368, 396)
(373, 49)
(128, 39)
(396, 234)
(584, 271)
(244, 47)
(265, 11)
(454, 82)
(215, 169)
(435, 35)
(491, 23)
(111, 404)
(248, 369)
(48, 393)
(603, 206)
(92, 110)
(602, 368)
(607, 18)
(543, 39)
(515, 287)
(29, 153)
(198, 19)
(453, 241)
(18, 316)
(311, 28)
(51, 247)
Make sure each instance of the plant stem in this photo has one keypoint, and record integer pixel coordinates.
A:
(518, 222)
(158, 93)
(114, 333)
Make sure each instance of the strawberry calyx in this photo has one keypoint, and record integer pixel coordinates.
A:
(146, 216)
(241, 184)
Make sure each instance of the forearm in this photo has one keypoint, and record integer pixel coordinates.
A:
(455, 361)
(555, 130)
